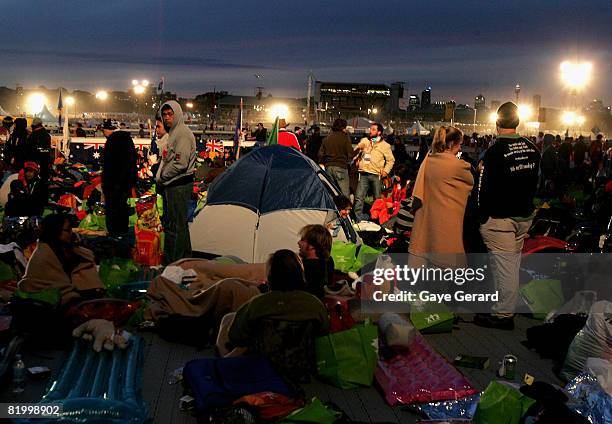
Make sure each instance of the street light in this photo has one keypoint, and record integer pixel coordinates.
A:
(524, 112)
(568, 117)
(189, 105)
(576, 75)
(35, 103)
(70, 101)
(280, 110)
(102, 95)
(374, 111)
(139, 89)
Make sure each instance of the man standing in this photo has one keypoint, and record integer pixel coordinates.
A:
(375, 162)
(261, 135)
(175, 177)
(5, 135)
(40, 144)
(508, 183)
(313, 144)
(287, 138)
(336, 153)
(119, 174)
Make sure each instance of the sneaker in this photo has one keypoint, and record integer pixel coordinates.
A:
(492, 321)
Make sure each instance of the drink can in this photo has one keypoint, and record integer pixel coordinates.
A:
(508, 367)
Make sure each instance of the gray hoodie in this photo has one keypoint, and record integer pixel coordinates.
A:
(180, 158)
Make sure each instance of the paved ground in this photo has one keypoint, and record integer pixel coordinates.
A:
(362, 405)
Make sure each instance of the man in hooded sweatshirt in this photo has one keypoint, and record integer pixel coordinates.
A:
(175, 179)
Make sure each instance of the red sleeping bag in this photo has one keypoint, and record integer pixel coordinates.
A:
(421, 375)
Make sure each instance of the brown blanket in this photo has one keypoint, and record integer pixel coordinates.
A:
(45, 271)
(219, 289)
(443, 185)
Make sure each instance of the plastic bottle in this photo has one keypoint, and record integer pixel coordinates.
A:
(19, 375)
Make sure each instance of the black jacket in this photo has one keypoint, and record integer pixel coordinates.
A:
(27, 200)
(119, 164)
(509, 178)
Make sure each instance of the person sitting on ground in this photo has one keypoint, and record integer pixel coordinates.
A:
(339, 224)
(286, 301)
(28, 195)
(315, 251)
(58, 263)
(385, 208)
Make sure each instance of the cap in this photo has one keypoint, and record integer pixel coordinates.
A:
(37, 122)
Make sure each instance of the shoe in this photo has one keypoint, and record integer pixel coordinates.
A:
(492, 321)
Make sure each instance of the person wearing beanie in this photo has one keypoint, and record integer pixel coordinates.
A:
(28, 195)
(506, 188)
(39, 146)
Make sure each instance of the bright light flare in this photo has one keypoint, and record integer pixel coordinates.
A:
(568, 117)
(70, 101)
(580, 119)
(525, 112)
(145, 83)
(102, 95)
(35, 103)
(134, 83)
(493, 117)
(576, 75)
(280, 110)
(374, 111)
(139, 89)
(189, 105)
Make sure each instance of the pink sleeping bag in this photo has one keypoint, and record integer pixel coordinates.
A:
(421, 375)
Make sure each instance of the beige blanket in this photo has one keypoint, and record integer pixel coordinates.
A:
(219, 289)
(45, 271)
(443, 185)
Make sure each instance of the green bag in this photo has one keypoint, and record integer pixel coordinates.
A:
(94, 222)
(366, 256)
(347, 359)
(52, 296)
(313, 412)
(542, 296)
(344, 255)
(430, 319)
(501, 404)
(6, 272)
(116, 272)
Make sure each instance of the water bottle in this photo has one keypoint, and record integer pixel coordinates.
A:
(19, 375)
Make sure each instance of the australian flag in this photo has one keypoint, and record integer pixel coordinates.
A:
(87, 154)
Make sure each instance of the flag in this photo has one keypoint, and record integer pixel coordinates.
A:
(60, 107)
(238, 129)
(66, 136)
(273, 137)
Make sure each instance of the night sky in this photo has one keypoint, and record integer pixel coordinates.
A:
(460, 48)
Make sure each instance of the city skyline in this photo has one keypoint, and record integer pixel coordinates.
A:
(461, 50)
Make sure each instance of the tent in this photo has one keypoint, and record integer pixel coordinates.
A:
(417, 129)
(261, 202)
(46, 116)
(2, 112)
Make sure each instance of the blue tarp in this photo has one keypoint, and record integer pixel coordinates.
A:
(269, 179)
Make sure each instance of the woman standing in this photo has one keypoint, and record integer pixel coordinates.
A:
(440, 197)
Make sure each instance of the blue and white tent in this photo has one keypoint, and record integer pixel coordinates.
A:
(261, 202)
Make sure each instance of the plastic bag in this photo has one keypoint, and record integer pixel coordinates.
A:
(593, 341)
(501, 404)
(347, 359)
(590, 400)
(343, 255)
